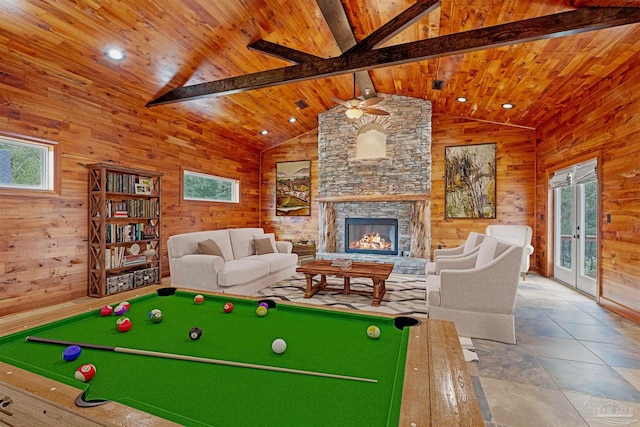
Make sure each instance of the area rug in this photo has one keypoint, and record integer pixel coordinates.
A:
(404, 297)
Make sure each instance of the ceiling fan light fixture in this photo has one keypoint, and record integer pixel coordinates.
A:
(354, 113)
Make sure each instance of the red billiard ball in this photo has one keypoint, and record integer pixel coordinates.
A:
(198, 299)
(106, 310)
(124, 324)
(228, 307)
(85, 372)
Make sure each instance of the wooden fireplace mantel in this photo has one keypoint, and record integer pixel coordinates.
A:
(407, 197)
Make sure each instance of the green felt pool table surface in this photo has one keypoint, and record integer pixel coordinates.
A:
(195, 393)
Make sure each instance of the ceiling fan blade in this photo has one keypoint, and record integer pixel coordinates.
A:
(372, 101)
(376, 112)
(339, 101)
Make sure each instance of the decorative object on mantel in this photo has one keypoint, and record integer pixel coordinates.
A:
(293, 188)
(470, 181)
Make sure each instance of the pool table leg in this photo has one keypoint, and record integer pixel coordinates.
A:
(312, 288)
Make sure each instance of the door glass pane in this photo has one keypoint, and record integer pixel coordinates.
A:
(566, 231)
(590, 227)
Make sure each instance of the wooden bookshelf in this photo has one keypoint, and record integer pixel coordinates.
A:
(124, 223)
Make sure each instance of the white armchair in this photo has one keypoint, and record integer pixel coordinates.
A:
(470, 245)
(518, 235)
(478, 292)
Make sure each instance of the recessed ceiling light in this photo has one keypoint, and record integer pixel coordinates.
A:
(264, 132)
(461, 99)
(292, 120)
(115, 54)
(508, 106)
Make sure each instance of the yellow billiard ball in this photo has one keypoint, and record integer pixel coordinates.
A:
(373, 332)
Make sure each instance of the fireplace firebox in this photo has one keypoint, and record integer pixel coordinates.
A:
(371, 235)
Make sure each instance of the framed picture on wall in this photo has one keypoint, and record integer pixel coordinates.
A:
(470, 181)
(293, 188)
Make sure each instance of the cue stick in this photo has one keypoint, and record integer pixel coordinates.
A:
(198, 359)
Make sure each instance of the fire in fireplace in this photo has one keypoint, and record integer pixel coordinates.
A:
(371, 235)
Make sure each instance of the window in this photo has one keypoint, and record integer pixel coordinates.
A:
(199, 186)
(26, 165)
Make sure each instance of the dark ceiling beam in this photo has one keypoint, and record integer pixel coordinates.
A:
(528, 30)
(282, 52)
(338, 22)
(395, 26)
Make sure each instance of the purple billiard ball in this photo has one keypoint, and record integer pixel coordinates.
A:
(263, 304)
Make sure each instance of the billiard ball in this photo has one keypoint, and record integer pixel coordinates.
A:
(279, 346)
(195, 333)
(198, 299)
(263, 304)
(85, 372)
(155, 310)
(71, 353)
(124, 324)
(261, 311)
(120, 310)
(157, 317)
(106, 310)
(373, 331)
(126, 305)
(228, 307)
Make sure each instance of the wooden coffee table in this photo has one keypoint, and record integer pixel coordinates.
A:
(377, 272)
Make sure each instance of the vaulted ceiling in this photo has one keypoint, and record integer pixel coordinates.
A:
(171, 43)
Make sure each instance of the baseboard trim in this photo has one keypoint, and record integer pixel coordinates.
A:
(617, 308)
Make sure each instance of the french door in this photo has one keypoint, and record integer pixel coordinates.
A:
(576, 226)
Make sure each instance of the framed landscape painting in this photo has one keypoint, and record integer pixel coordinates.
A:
(293, 188)
(470, 181)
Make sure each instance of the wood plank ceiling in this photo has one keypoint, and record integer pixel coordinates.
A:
(172, 43)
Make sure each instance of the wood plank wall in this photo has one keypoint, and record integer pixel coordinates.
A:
(303, 147)
(515, 176)
(604, 123)
(43, 240)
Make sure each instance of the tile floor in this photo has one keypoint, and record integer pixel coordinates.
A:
(575, 364)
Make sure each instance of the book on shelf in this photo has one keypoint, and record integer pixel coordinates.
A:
(134, 259)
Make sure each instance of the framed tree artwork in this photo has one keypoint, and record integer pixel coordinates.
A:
(470, 181)
(293, 188)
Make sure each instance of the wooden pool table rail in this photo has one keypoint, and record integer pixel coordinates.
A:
(39, 400)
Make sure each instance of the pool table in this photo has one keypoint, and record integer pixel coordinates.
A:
(333, 373)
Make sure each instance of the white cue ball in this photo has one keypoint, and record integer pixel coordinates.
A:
(279, 346)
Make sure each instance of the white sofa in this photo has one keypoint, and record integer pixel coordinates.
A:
(238, 271)
(519, 235)
(478, 292)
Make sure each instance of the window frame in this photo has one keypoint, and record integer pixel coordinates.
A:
(52, 172)
(235, 187)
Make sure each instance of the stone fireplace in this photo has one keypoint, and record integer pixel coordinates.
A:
(396, 184)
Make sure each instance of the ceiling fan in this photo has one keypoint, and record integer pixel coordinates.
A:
(356, 107)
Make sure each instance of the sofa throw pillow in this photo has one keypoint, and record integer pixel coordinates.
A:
(209, 247)
(263, 246)
(271, 237)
